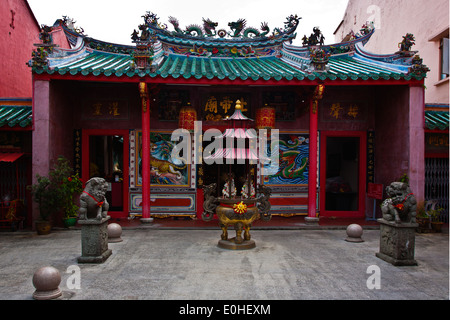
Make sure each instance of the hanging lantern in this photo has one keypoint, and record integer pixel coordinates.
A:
(188, 115)
(265, 117)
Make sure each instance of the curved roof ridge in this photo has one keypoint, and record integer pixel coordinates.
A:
(207, 34)
(385, 61)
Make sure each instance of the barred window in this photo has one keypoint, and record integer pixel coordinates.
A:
(444, 72)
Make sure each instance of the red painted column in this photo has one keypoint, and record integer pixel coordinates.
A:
(145, 153)
(312, 177)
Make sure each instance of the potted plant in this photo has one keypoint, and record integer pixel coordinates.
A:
(55, 193)
(46, 195)
(436, 224)
(422, 217)
(71, 188)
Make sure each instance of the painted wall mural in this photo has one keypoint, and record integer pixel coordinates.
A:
(293, 160)
(165, 171)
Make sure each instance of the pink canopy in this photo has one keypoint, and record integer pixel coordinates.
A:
(239, 133)
(235, 153)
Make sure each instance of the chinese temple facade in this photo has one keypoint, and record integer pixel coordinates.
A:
(346, 119)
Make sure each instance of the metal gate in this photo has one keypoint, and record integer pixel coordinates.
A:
(436, 183)
(13, 180)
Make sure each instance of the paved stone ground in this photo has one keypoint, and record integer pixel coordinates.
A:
(187, 265)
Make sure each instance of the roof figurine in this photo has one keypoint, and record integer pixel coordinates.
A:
(316, 38)
(142, 56)
(44, 49)
(237, 27)
(209, 27)
(367, 28)
(319, 59)
(70, 23)
(45, 35)
(407, 42)
(418, 67)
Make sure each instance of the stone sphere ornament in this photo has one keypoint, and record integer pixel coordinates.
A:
(114, 232)
(354, 233)
(46, 280)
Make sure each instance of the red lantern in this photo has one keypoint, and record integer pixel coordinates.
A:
(265, 118)
(188, 115)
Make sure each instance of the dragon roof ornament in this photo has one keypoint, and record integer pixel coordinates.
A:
(208, 32)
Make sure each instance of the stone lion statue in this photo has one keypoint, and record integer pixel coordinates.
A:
(93, 204)
(401, 205)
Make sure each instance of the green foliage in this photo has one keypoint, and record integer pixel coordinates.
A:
(403, 178)
(71, 187)
(57, 192)
(421, 210)
(435, 214)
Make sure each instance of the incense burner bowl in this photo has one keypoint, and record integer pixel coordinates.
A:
(239, 213)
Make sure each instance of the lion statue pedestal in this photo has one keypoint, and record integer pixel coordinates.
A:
(397, 243)
(93, 219)
(94, 241)
(398, 226)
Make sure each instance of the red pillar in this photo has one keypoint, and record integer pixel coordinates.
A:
(145, 153)
(312, 178)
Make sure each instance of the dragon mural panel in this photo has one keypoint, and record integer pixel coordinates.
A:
(293, 158)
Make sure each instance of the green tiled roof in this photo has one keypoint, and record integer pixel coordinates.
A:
(97, 63)
(231, 68)
(436, 120)
(15, 116)
(176, 66)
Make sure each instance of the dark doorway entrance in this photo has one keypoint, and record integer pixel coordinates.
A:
(105, 155)
(343, 174)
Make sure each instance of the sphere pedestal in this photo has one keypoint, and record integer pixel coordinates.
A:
(114, 233)
(354, 233)
(46, 280)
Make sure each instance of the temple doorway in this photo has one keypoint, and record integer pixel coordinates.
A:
(343, 174)
(105, 155)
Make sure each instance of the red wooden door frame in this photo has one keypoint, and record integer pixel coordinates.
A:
(362, 135)
(86, 133)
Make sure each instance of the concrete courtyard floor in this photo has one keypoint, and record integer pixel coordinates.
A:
(155, 264)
